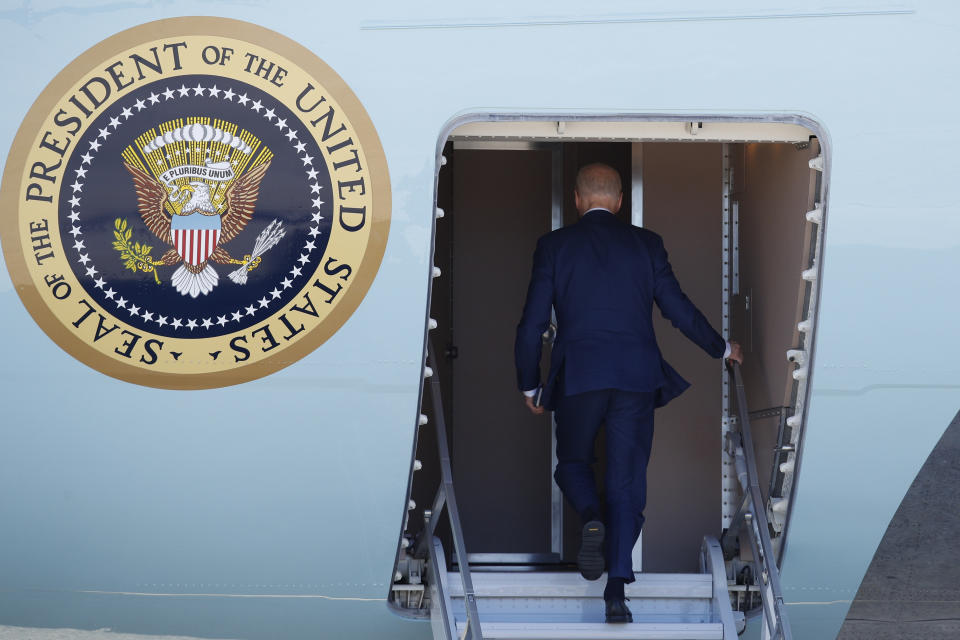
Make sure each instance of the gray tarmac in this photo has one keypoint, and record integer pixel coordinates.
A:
(912, 588)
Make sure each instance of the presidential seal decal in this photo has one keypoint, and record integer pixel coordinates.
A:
(194, 203)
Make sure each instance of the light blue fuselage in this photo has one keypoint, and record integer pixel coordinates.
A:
(293, 485)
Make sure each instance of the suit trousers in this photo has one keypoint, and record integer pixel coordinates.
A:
(628, 417)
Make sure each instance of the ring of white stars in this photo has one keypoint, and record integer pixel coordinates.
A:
(185, 323)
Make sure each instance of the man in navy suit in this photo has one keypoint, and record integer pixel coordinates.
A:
(602, 277)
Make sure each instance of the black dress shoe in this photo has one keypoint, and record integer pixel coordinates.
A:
(617, 611)
(590, 557)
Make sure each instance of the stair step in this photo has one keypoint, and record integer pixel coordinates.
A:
(659, 610)
(568, 584)
(596, 631)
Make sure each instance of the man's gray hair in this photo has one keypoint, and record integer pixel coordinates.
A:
(598, 180)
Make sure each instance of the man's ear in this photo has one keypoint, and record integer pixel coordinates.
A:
(619, 202)
(576, 199)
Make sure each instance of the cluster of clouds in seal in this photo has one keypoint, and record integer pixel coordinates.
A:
(197, 133)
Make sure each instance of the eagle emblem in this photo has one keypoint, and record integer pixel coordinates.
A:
(195, 202)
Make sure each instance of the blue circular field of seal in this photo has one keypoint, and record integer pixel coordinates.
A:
(195, 207)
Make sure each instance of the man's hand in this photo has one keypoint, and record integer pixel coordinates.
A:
(534, 409)
(736, 352)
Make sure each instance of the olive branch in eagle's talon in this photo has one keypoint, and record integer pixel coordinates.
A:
(136, 257)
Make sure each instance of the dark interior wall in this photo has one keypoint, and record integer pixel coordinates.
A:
(501, 453)
(775, 188)
(682, 202)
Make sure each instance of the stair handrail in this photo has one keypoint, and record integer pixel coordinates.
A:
(446, 497)
(753, 512)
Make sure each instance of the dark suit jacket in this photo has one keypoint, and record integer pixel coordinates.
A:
(602, 276)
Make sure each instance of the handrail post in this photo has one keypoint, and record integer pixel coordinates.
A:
(711, 561)
(759, 529)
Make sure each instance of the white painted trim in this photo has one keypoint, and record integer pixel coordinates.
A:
(526, 131)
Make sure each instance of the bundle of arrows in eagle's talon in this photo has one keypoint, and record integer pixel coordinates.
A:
(269, 237)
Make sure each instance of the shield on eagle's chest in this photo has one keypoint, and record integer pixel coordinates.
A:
(195, 236)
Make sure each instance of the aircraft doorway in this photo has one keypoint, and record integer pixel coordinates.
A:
(739, 211)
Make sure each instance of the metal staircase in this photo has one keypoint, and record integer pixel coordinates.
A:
(674, 606)
(470, 605)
